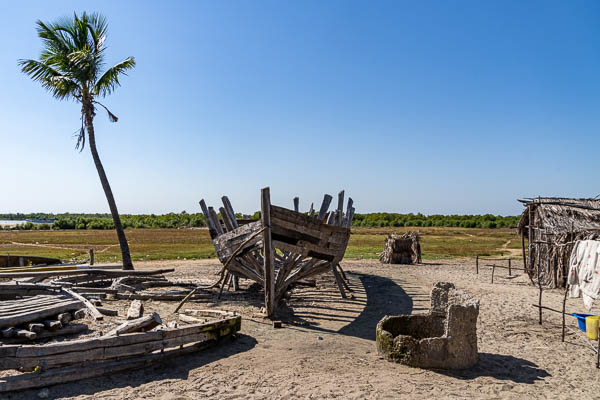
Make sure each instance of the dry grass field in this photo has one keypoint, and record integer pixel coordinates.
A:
(172, 244)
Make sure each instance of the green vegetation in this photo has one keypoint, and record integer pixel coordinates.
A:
(156, 244)
(185, 220)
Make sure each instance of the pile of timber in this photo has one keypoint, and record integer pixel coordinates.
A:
(309, 244)
(404, 249)
(40, 316)
(117, 351)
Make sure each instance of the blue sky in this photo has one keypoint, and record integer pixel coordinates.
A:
(432, 106)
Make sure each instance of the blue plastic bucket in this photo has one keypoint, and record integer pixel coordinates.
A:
(581, 319)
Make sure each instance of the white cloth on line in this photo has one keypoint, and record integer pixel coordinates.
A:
(584, 271)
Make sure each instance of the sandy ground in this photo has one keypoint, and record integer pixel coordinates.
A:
(327, 346)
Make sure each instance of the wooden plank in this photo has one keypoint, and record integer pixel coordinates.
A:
(215, 220)
(159, 297)
(94, 313)
(269, 273)
(91, 271)
(226, 220)
(68, 374)
(229, 211)
(324, 207)
(212, 230)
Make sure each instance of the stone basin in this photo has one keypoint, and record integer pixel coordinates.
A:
(444, 338)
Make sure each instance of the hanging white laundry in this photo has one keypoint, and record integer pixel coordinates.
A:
(584, 271)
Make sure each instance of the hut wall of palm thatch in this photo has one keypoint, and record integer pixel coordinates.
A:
(551, 226)
(404, 249)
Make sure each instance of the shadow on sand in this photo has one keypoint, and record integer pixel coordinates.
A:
(382, 296)
(501, 367)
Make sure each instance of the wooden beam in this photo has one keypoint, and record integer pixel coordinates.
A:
(93, 311)
(324, 206)
(269, 277)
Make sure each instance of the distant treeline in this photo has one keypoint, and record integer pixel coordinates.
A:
(185, 220)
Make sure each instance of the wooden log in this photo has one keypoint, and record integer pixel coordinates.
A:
(53, 324)
(136, 310)
(324, 207)
(94, 313)
(9, 332)
(108, 311)
(35, 327)
(64, 318)
(38, 314)
(141, 324)
(25, 334)
(268, 266)
(70, 329)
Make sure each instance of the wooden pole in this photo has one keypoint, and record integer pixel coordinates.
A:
(539, 279)
(297, 204)
(523, 248)
(509, 265)
(563, 312)
(91, 256)
(477, 265)
(269, 278)
(493, 270)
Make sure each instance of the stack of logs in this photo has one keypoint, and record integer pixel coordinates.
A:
(40, 316)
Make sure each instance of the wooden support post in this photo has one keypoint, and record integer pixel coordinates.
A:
(509, 265)
(523, 249)
(269, 278)
(338, 280)
(91, 256)
(297, 204)
(539, 278)
(477, 265)
(493, 270)
(563, 312)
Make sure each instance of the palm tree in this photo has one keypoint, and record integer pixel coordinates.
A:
(70, 67)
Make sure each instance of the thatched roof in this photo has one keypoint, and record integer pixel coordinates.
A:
(561, 215)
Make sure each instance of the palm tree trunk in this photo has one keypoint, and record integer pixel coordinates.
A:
(88, 111)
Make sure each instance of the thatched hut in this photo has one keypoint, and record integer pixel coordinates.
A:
(552, 225)
(404, 249)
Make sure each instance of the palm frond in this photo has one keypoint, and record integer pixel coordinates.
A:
(109, 81)
(111, 117)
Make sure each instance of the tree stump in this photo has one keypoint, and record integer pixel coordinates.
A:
(403, 249)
